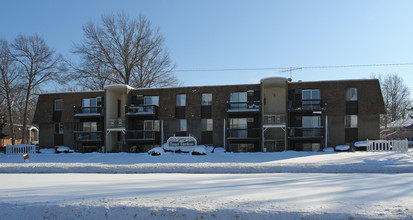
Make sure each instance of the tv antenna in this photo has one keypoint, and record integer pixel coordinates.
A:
(291, 69)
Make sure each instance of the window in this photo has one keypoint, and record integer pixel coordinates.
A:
(313, 97)
(311, 122)
(181, 100)
(311, 126)
(239, 127)
(238, 100)
(351, 121)
(59, 128)
(351, 94)
(88, 105)
(151, 125)
(90, 127)
(206, 99)
(151, 100)
(58, 104)
(207, 124)
(181, 125)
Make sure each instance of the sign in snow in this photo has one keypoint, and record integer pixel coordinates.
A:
(182, 141)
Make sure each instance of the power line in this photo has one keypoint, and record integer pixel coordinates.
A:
(294, 67)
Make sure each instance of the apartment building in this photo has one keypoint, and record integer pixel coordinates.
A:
(273, 115)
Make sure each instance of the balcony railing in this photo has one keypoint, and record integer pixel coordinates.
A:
(273, 119)
(300, 132)
(250, 106)
(88, 111)
(132, 110)
(144, 135)
(243, 133)
(309, 104)
(88, 136)
(117, 123)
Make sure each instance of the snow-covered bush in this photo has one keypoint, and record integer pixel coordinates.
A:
(210, 149)
(342, 148)
(157, 151)
(361, 145)
(63, 149)
(199, 150)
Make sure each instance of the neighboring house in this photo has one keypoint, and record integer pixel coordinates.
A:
(274, 115)
(399, 129)
(31, 132)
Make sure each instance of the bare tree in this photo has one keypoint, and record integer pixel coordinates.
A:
(396, 97)
(39, 64)
(8, 82)
(125, 51)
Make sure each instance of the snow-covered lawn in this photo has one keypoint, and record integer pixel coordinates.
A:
(284, 185)
(206, 196)
(219, 162)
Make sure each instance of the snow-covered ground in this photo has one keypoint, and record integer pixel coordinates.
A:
(284, 185)
(219, 162)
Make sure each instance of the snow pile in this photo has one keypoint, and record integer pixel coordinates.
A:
(199, 150)
(157, 151)
(342, 148)
(63, 149)
(328, 150)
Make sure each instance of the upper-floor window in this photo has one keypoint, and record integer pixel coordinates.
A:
(351, 94)
(311, 99)
(311, 122)
(350, 121)
(311, 94)
(238, 100)
(58, 104)
(181, 100)
(151, 100)
(207, 99)
(59, 128)
(88, 105)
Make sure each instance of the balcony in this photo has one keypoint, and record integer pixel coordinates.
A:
(140, 135)
(273, 120)
(141, 110)
(116, 123)
(81, 111)
(305, 133)
(244, 107)
(306, 105)
(88, 136)
(243, 134)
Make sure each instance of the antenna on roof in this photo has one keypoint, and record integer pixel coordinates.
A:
(291, 69)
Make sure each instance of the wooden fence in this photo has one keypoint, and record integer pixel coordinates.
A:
(388, 145)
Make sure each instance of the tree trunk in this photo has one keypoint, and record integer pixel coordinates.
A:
(9, 106)
(26, 107)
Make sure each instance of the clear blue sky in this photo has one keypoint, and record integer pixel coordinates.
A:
(243, 34)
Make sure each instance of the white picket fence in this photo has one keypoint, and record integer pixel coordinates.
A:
(388, 145)
(20, 149)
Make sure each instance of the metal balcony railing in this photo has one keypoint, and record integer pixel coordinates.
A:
(309, 104)
(305, 132)
(141, 110)
(273, 119)
(81, 110)
(140, 135)
(243, 106)
(117, 123)
(88, 136)
(243, 133)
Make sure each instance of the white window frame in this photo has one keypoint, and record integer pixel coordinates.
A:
(312, 93)
(60, 127)
(206, 99)
(351, 94)
(353, 119)
(180, 100)
(55, 105)
(207, 124)
(181, 125)
(153, 100)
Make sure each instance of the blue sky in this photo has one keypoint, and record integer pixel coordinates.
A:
(243, 34)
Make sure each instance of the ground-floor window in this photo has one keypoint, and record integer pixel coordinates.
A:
(242, 147)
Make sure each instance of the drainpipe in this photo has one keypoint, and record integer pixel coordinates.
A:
(225, 147)
(162, 133)
(326, 131)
